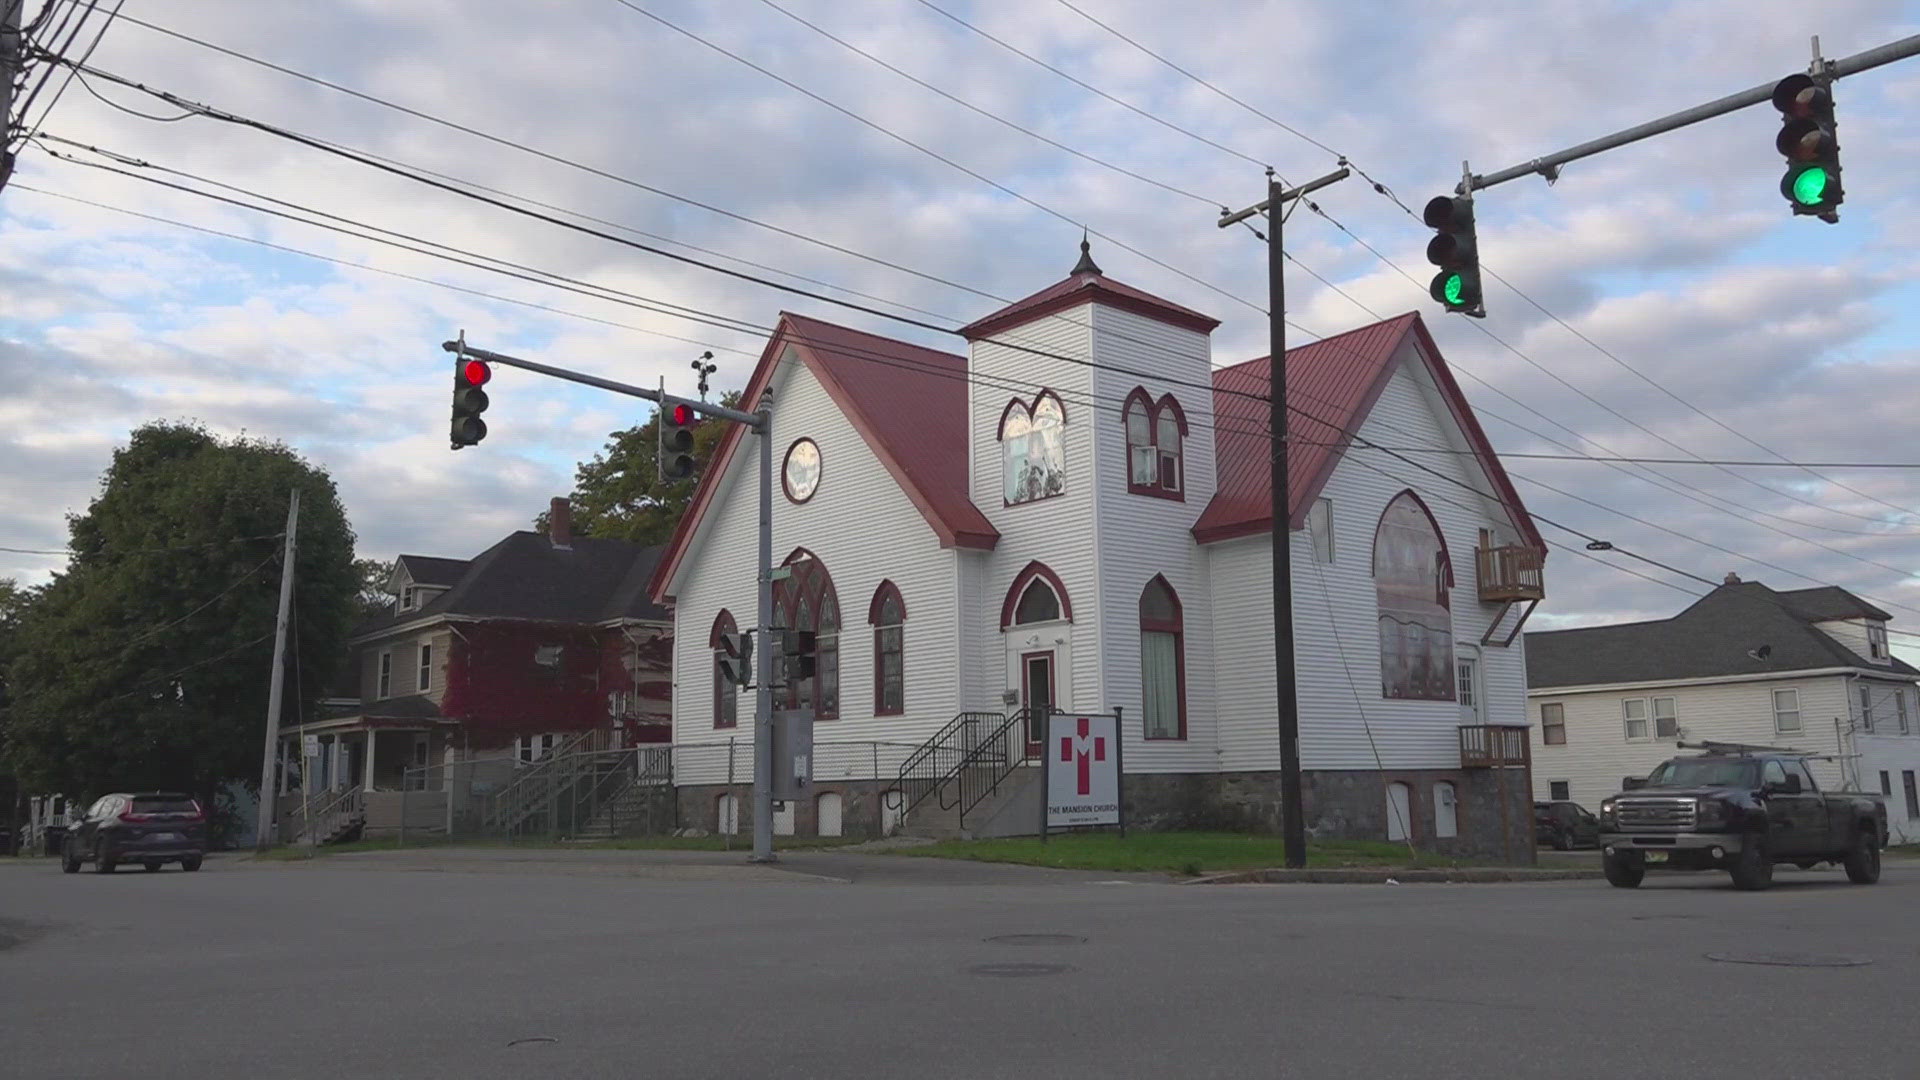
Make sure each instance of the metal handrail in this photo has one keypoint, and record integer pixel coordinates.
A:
(979, 773)
(322, 820)
(535, 784)
(927, 769)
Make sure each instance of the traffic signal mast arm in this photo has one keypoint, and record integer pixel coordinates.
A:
(1549, 166)
(751, 420)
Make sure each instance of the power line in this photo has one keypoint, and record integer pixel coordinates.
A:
(380, 270)
(936, 155)
(555, 158)
(84, 57)
(1386, 192)
(995, 117)
(1168, 124)
(146, 551)
(1661, 461)
(243, 579)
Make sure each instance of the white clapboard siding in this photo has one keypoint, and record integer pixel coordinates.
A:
(1057, 531)
(1345, 723)
(1141, 536)
(865, 530)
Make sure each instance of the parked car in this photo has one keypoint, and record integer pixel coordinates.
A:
(1739, 809)
(150, 828)
(1565, 825)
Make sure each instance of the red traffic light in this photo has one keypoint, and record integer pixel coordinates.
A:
(476, 372)
(682, 413)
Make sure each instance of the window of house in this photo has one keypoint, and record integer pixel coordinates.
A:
(548, 656)
(385, 688)
(1559, 790)
(1553, 724)
(1155, 430)
(888, 614)
(1163, 673)
(406, 598)
(1468, 672)
(425, 680)
(805, 601)
(1900, 707)
(1786, 710)
(1877, 641)
(1033, 449)
(1666, 722)
(1886, 784)
(1634, 712)
(1412, 578)
(1320, 529)
(726, 695)
(528, 749)
(1866, 707)
(1913, 800)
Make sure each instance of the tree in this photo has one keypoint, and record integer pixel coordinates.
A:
(13, 605)
(619, 495)
(373, 597)
(144, 664)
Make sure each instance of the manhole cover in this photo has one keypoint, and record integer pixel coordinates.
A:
(1019, 971)
(1788, 959)
(532, 1040)
(1037, 939)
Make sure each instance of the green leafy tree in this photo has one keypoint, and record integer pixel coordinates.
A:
(619, 495)
(372, 575)
(13, 605)
(145, 663)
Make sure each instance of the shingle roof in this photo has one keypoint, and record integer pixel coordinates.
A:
(433, 570)
(1830, 602)
(1331, 385)
(525, 576)
(1716, 636)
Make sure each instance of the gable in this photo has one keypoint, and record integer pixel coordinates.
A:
(907, 402)
(1332, 387)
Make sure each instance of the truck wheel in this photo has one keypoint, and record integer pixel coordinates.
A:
(70, 859)
(103, 863)
(1863, 859)
(1623, 871)
(1752, 869)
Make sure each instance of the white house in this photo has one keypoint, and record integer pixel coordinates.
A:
(1806, 669)
(1075, 516)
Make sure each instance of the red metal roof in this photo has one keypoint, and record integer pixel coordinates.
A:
(908, 402)
(1331, 386)
(1079, 288)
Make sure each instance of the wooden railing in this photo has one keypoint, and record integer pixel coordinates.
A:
(1485, 746)
(1510, 573)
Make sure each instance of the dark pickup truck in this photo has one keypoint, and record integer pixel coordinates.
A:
(1742, 811)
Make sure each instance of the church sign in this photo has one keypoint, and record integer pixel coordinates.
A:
(1082, 770)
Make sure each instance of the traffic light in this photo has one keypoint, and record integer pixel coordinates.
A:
(800, 648)
(469, 401)
(1456, 252)
(1807, 141)
(677, 420)
(736, 657)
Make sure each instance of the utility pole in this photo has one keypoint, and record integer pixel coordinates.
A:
(763, 680)
(263, 838)
(9, 71)
(1293, 824)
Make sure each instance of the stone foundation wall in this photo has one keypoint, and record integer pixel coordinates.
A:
(1347, 805)
(860, 807)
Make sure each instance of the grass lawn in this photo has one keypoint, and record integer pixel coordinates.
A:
(1173, 852)
(742, 842)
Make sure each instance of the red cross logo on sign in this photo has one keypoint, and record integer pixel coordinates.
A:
(1083, 750)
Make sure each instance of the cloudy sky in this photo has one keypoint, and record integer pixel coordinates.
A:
(1727, 319)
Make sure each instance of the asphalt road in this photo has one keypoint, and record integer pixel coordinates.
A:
(631, 964)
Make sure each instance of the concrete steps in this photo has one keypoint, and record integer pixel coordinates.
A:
(1012, 810)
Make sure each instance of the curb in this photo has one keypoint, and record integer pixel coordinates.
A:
(1457, 875)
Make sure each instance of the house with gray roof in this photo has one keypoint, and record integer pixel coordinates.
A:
(541, 645)
(1807, 669)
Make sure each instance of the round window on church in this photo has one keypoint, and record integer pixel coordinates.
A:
(800, 476)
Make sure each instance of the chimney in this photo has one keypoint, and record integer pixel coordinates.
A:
(560, 523)
(1731, 578)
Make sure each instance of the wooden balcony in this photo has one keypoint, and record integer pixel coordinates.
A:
(1487, 746)
(1509, 574)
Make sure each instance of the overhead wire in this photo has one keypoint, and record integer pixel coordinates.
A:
(1386, 192)
(84, 57)
(937, 156)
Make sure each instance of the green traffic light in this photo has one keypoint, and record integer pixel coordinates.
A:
(1810, 187)
(1452, 289)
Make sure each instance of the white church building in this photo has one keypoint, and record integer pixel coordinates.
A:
(1075, 516)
